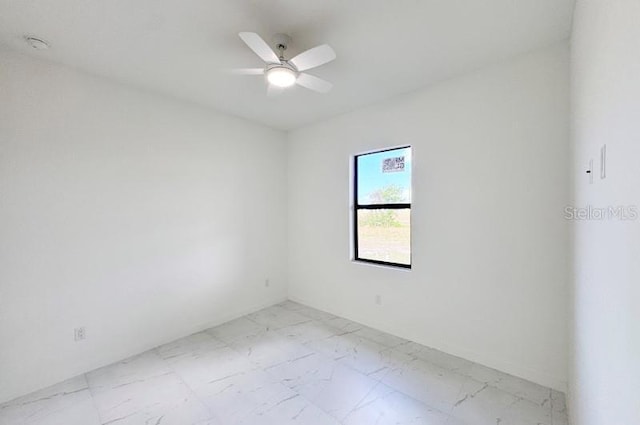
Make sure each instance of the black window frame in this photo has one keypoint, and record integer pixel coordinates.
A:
(357, 206)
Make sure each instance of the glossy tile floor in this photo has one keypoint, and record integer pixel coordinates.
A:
(290, 364)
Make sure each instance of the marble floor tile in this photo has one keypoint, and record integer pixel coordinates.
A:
(290, 364)
(197, 344)
(559, 418)
(277, 317)
(291, 305)
(337, 389)
(301, 371)
(364, 355)
(558, 402)
(437, 387)
(293, 410)
(308, 331)
(144, 389)
(165, 399)
(343, 325)
(238, 397)
(517, 386)
(268, 350)
(525, 412)
(214, 366)
(558, 408)
(134, 369)
(431, 355)
(68, 403)
(386, 406)
(380, 337)
(236, 329)
(316, 314)
(482, 404)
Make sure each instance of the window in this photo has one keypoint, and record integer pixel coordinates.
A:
(382, 207)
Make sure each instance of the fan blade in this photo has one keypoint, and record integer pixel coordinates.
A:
(273, 90)
(313, 83)
(314, 57)
(247, 71)
(259, 46)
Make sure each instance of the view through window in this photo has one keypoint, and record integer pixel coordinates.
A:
(382, 207)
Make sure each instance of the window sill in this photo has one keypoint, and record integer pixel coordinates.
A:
(382, 264)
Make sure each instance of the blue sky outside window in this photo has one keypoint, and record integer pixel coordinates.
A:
(379, 184)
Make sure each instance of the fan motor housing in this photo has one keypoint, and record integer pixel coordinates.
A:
(281, 41)
(283, 64)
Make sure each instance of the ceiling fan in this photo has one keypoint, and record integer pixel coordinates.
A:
(280, 72)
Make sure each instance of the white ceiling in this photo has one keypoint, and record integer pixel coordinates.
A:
(183, 47)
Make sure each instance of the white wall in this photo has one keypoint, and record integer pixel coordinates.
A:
(605, 355)
(489, 240)
(137, 216)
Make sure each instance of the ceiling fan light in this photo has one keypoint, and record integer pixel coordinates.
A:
(281, 77)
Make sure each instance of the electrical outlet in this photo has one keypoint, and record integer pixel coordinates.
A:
(266, 283)
(79, 334)
(378, 299)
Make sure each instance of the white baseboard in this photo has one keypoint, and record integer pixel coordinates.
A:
(508, 367)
